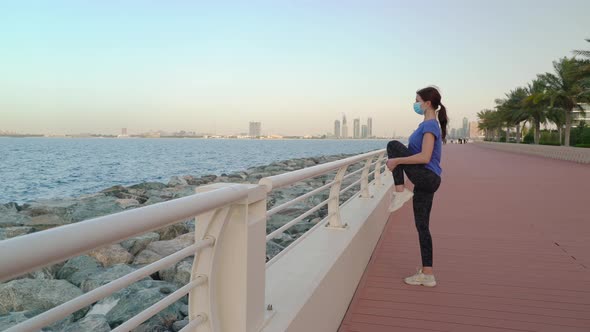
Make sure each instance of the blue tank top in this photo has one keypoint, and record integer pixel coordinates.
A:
(415, 143)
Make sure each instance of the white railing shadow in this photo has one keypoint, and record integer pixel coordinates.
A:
(228, 280)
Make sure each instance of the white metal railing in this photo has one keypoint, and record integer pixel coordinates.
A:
(226, 289)
(333, 220)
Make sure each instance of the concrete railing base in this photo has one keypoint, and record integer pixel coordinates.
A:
(311, 287)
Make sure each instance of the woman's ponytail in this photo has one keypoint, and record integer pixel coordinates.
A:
(443, 120)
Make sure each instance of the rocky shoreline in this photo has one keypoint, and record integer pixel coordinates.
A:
(41, 290)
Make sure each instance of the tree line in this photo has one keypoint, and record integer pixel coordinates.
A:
(549, 98)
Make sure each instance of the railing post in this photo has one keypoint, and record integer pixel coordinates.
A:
(365, 179)
(378, 181)
(334, 219)
(233, 298)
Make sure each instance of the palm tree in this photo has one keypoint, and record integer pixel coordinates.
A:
(488, 123)
(485, 122)
(583, 53)
(557, 116)
(536, 105)
(566, 88)
(512, 110)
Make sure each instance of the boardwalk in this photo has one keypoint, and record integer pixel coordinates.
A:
(511, 251)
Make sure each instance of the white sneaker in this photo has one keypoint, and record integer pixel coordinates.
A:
(399, 198)
(420, 278)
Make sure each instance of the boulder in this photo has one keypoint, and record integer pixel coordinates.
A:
(47, 272)
(11, 217)
(128, 302)
(126, 203)
(159, 249)
(179, 325)
(77, 269)
(104, 276)
(36, 294)
(272, 249)
(10, 232)
(13, 318)
(46, 221)
(93, 207)
(184, 310)
(154, 200)
(177, 181)
(58, 207)
(136, 244)
(116, 191)
(111, 255)
(148, 186)
(173, 231)
(180, 273)
(94, 323)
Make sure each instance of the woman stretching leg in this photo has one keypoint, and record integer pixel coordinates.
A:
(421, 163)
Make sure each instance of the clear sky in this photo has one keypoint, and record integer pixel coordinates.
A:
(296, 66)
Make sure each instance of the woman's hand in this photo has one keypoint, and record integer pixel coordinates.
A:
(392, 164)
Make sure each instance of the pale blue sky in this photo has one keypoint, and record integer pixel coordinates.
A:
(97, 66)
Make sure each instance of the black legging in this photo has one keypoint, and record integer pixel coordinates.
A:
(426, 182)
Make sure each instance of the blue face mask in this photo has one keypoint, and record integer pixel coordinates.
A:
(418, 109)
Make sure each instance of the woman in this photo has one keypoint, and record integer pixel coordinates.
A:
(421, 163)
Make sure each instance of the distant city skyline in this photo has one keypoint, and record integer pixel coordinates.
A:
(96, 67)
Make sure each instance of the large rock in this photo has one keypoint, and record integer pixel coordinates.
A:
(126, 303)
(11, 217)
(177, 181)
(13, 318)
(179, 325)
(47, 221)
(111, 255)
(159, 249)
(173, 231)
(123, 194)
(272, 249)
(126, 203)
(94, 323)
(96, 206)
(36, 294)
(104, 276)
(77, 269)
(61, 208)
(10, 232)
(136, 244)
(148, 186)
(47, 272)
(179, 273)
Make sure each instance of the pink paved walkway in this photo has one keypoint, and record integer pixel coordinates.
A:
(511, 251)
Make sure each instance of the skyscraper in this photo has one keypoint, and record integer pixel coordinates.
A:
(465, 131)
(364, 131)
(255, 129)
(357, 128)
(344, 127)
(337, 129)
(474, 131)
(370, 127)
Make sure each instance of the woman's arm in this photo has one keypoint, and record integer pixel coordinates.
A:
(420, 158)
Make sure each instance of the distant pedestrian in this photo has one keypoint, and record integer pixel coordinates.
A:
(421, 163)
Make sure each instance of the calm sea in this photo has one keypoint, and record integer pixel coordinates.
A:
(34, 168)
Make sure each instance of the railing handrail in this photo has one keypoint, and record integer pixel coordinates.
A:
(30, 252)
(286, 179)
